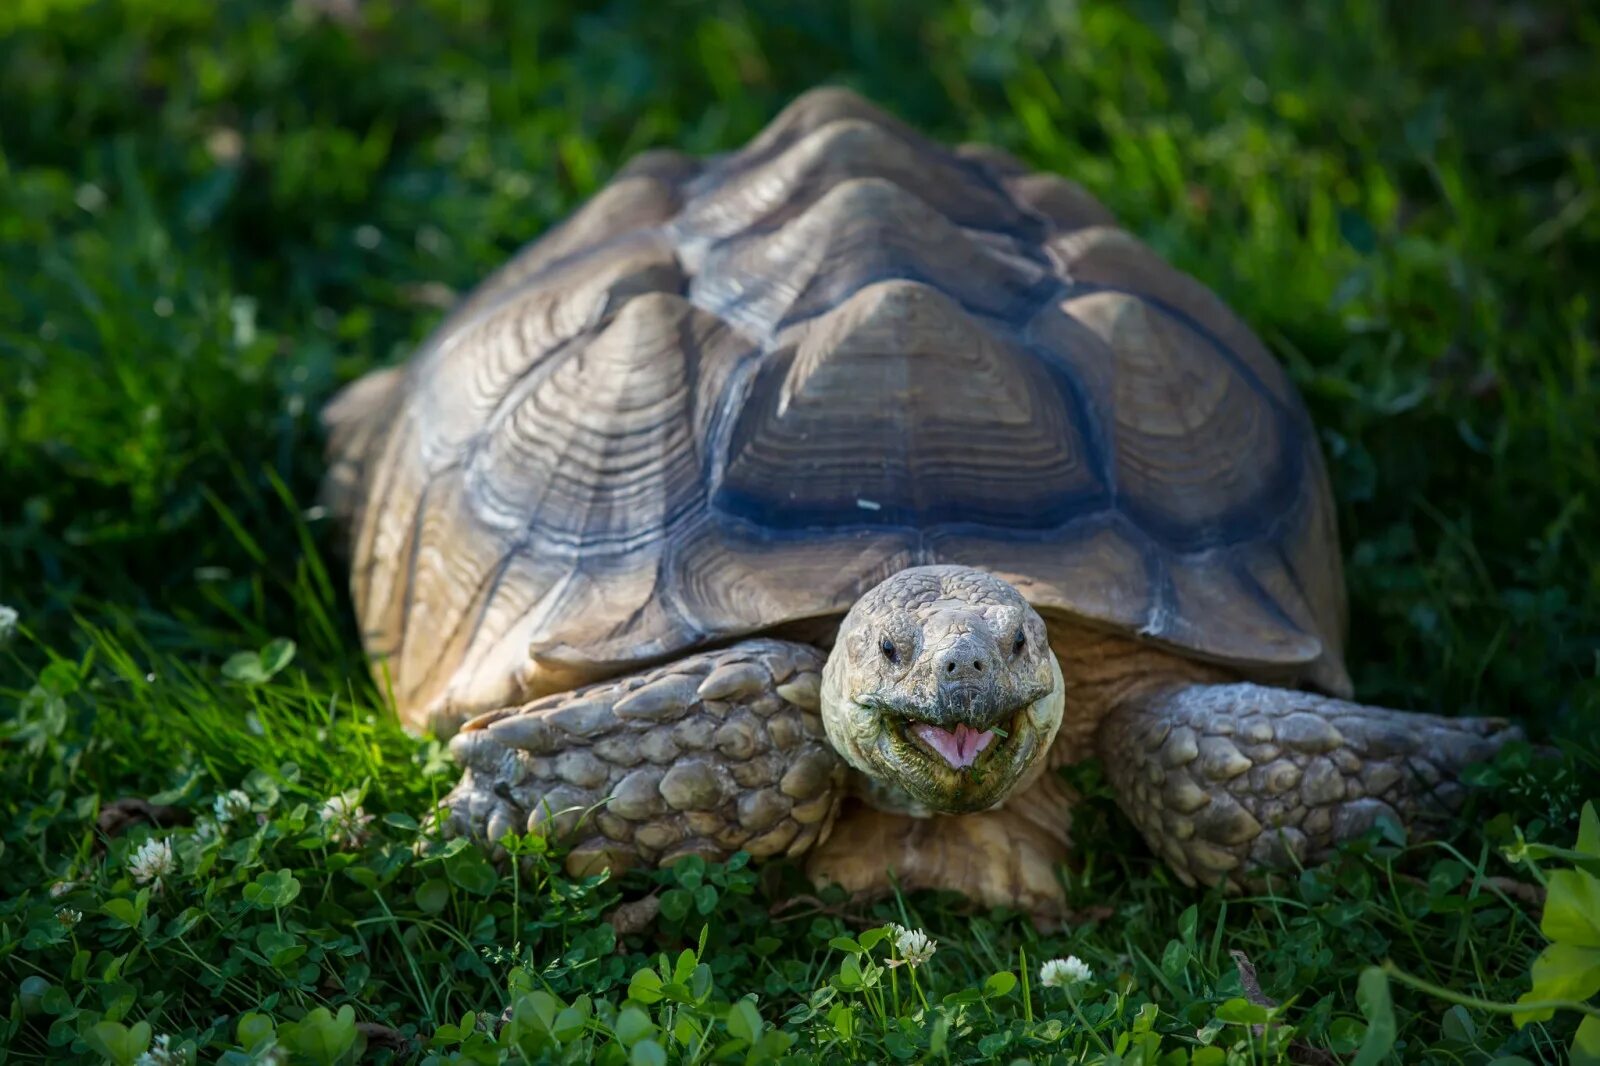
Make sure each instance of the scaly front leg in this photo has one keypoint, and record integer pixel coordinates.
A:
(712, 754)
(1221, 779)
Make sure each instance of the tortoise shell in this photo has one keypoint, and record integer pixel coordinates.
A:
(735, 393)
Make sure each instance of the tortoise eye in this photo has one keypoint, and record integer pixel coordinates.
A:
(889, 652)
(1018, 643)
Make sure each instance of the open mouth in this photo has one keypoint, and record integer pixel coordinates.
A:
(959, 747)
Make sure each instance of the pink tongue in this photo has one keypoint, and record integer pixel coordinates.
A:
(959, 747)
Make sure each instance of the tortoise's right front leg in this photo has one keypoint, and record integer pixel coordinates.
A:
(1221, 779)
(712, 754)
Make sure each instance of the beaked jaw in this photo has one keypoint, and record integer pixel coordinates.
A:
(978, 707)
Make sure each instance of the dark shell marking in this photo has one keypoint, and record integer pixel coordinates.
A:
(732, 393)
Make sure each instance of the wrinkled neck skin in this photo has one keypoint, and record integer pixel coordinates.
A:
(943, 691)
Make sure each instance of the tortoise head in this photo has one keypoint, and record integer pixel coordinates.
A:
(942, 683)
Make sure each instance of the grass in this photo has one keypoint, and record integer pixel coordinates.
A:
(212, 213)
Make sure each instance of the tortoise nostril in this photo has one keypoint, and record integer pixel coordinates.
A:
(964, 666)
(966, 662)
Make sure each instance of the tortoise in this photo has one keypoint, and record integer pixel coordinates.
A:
(824, 498)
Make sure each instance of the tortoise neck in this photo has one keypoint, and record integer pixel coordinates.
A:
(1102, 670)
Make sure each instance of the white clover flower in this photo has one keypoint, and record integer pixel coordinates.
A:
(1064, 973)
(152, 862)
(8, 622)
(161, 1053)
(231, 804)
(915, 946)
(346, 820)
(67, 917)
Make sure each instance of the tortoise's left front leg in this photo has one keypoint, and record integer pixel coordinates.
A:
(715, 753)
(1223, 779)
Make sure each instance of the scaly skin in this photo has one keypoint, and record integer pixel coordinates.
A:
(725, 750)
(712, 754)
(1223, 779)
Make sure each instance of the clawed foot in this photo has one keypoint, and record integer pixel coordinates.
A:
(1226, 779)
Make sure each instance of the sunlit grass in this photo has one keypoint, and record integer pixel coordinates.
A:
(212, 214)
